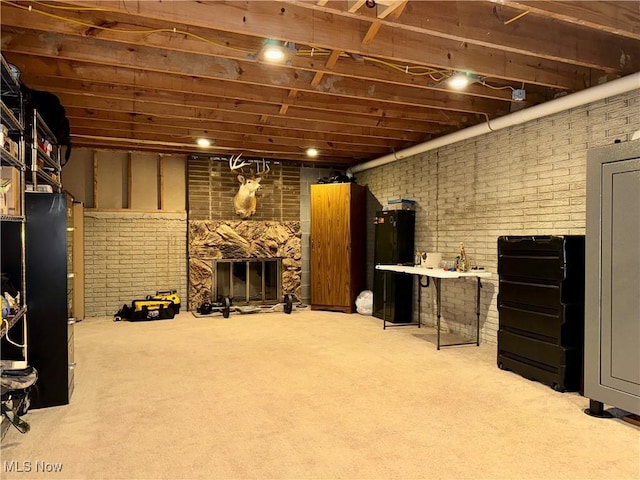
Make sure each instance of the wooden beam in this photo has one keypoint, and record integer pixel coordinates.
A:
(372, 32)
(129, 181)
(99, 80)
(474, 23)
(145, 144)
(369, 71)
(125, 123)
(333, 58)
(199, 108)
(221, 144)
(95, 180)
(390, 7)
(184, 64)
(315, 81)
(160, 182)
(300, 25)
(355, 5)
(101, 128)
(617, 18)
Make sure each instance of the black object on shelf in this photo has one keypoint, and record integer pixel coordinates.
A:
(541, 308)
(394, 244)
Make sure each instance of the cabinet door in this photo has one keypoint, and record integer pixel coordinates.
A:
(330, 244)
(620, 283)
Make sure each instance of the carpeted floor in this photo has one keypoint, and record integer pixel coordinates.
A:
(311, 395)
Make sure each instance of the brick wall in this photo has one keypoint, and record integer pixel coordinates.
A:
(212, 186)
(527, 179)
(129, 255)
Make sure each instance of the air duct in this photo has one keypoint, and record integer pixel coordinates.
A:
(583, 97)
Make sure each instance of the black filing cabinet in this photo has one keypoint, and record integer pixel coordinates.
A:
(541, 308)
(394, 237)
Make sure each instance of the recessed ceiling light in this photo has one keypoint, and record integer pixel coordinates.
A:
(461, 80)
(273, 54)
(272, 51)
(312, 152)
(203, 142)
(276, 51)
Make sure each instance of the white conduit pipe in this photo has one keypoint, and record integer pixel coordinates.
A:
(593, 94)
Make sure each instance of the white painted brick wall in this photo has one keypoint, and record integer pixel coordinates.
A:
(527, 179)
(129, 255)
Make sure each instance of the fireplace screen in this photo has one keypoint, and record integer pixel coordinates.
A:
(248, 281)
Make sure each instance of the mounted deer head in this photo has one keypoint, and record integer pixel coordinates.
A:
(244, 203)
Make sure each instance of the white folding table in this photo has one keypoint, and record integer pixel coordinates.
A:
(437, 275)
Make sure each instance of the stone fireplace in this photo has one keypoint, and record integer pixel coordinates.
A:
(255, 261)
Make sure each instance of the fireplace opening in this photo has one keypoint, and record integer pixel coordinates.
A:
(248, 281)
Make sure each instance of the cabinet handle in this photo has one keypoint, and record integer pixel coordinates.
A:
(71, 321)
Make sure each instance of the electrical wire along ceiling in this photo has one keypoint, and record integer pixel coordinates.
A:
(349, 81)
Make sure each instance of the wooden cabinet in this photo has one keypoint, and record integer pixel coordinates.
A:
(338, 242)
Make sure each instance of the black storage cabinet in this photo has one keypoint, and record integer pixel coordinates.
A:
(394, 241)
(50, 333)
(541, 308)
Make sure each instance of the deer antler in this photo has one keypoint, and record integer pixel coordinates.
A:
(265, 168)
(234, 163)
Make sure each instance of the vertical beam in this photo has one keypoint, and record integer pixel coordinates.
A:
(95, 179)
(129, 182)
(160, 181)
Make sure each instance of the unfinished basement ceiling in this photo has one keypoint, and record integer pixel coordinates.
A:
(363, 78)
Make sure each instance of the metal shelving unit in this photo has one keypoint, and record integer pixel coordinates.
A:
(13, 224)
(45, 167)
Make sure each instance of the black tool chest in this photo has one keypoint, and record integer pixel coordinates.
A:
(541, 308)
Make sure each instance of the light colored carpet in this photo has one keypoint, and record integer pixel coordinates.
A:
(310, 395)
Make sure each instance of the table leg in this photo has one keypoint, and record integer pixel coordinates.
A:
(384, 300)
(479, 286)
(437, 283)
(419, 301)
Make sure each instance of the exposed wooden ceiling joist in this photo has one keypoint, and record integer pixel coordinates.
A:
(362, 78)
